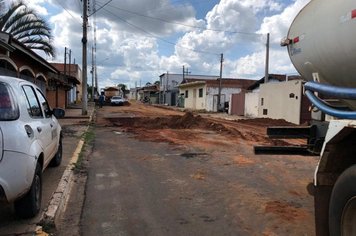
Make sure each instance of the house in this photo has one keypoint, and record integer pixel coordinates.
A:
(73, 74)
(169, 91)
(19, 61)
(149, 92)
(202, 94)
(133, 94)
(281, 98)
(252, 96)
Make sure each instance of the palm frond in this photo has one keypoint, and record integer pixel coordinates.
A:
(27, 27)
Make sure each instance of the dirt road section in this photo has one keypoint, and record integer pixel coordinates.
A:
(264, 195)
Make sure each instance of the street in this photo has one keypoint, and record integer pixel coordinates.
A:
(155, 171)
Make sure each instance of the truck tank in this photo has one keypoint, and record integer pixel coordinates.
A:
(322, 42)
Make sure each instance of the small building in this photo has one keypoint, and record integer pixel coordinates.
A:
(280, 98)
(169, 91)
(73, 74)
(149, 93)
(200, 94)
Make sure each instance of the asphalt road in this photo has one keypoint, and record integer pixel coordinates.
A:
(154, 188)
(142, 188)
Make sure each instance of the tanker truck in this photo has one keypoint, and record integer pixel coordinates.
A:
(321, 44)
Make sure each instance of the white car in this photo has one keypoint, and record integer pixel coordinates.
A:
(30, 140)
(117, 100)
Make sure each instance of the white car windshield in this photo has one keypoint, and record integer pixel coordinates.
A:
(8, 107)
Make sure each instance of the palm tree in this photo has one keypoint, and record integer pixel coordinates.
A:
(27, 27)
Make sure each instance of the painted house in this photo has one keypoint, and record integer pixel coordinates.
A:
(149, 92)
(280, 98)
(19, 61)
(73, 75)
(200, 94)
(169, 91)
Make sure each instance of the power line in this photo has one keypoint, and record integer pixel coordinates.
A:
(155, 36)
(67, 11)
(177, 23)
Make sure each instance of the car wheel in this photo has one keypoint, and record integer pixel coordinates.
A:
(342, 208)
(29, 205)
(57, 159)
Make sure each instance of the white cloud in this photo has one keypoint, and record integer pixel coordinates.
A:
(131, 37)
(277, 25)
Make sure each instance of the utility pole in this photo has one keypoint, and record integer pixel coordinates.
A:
(220, 80)
(185, 72)
(65, 61)
(92, 74)
(84, 59)
(70, 61)
(95, 70)
(165, 86)
(267, 59)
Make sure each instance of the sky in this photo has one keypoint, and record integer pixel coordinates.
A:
(137, 41)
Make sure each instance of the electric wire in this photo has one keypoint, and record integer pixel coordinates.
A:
(157, 37)
(186, 25)
(67, 11)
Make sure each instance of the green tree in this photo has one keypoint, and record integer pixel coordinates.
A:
(26, 26)
(123, 87)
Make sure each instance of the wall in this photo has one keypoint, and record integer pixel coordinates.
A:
(51, 98)
(251, 104)
(281, 100)
(193, 101)
(225, 96)
(169, 84)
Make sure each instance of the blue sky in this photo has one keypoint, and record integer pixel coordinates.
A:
(139, 40)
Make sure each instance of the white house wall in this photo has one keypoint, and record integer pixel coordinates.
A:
(251, 104)
(193, 101)
(225, 96)
(281, 100)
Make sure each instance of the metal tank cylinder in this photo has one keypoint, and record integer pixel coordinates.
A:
(322, 42)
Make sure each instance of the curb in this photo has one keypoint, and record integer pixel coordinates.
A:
(60, 197)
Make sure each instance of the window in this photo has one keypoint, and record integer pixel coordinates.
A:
(186, 93)
(33, 107)
(262, 101)
(265, 112)
(8, 106)
(44, 104)
(200, 92)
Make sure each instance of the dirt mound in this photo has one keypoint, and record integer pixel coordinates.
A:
(187, 121)
(191, 121)
(265, 122)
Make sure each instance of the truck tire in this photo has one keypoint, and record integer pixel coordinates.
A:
(29, 205)
(342, 208)
(57, 159)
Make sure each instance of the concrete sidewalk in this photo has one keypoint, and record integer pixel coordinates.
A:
(75, 123)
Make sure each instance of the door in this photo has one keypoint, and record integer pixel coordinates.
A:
(41, 124)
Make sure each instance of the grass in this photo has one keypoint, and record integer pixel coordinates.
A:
(88, 138)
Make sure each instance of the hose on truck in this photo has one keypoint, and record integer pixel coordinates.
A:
(329, 90)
